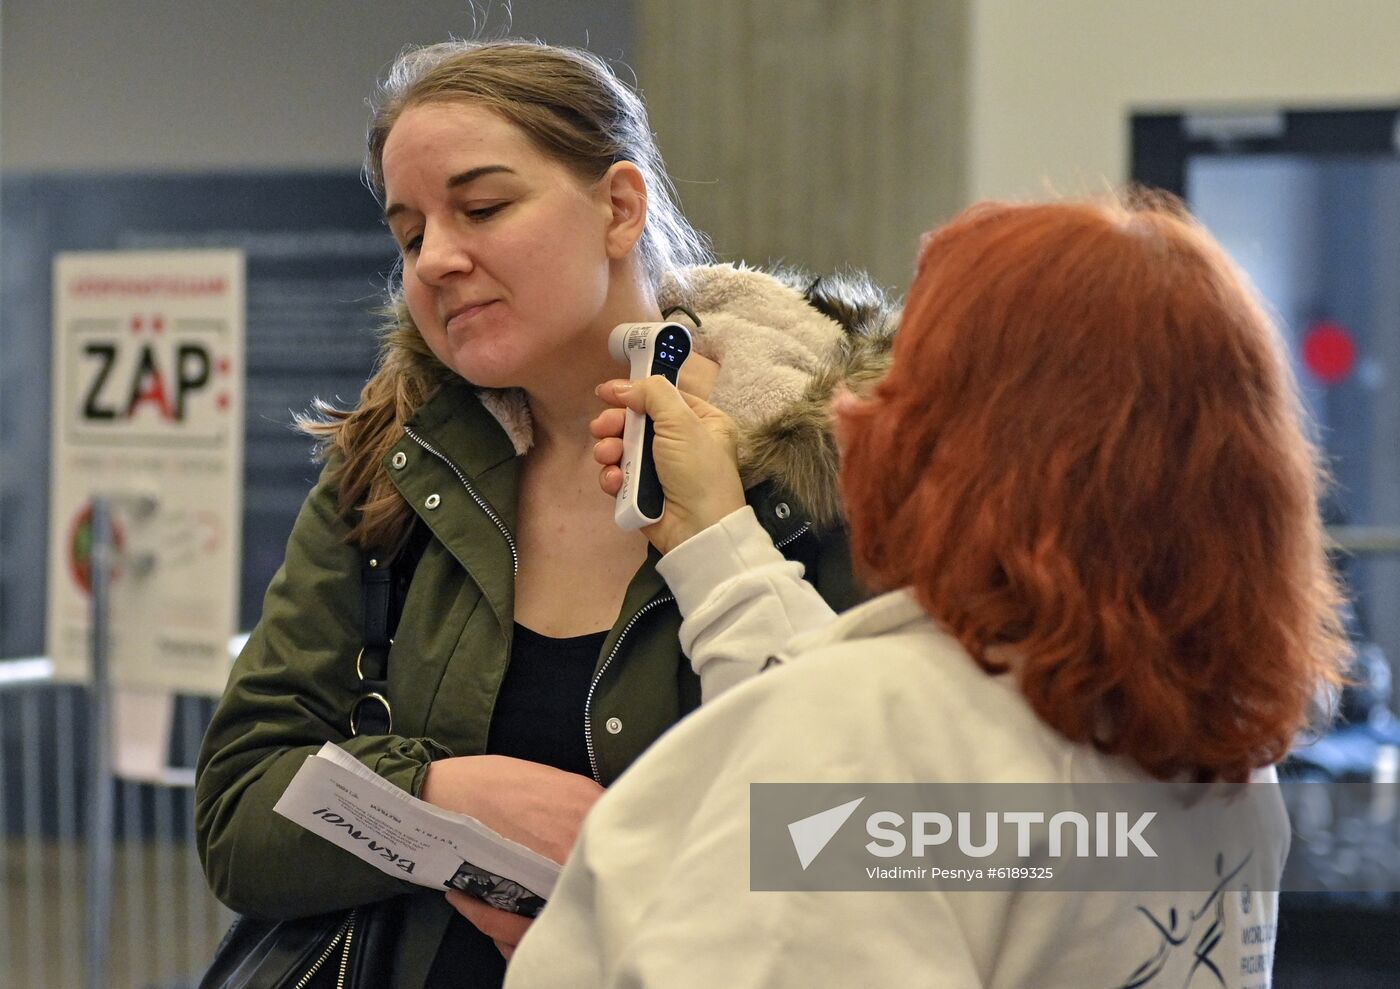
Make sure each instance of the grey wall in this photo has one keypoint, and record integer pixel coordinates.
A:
(140, 85)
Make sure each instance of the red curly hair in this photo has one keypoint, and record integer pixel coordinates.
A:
(1090, 450)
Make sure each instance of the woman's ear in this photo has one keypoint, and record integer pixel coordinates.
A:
(844, 406)
(626, 193)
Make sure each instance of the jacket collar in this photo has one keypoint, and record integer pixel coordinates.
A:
(455, 419)
(453, 432)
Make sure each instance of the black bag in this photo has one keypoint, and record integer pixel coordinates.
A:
(345, 949)
(351, 949)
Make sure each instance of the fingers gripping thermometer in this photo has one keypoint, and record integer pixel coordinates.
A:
(648, 348)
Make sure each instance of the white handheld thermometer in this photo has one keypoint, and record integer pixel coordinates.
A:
(648, 348)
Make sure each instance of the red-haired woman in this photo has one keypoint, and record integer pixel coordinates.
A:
(1086, 486)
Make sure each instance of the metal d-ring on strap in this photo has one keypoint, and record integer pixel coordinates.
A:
(359, 661)
(371, 695)
(377, 586)
(383, 701)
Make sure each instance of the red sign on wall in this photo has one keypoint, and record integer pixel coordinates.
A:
(1329, 352)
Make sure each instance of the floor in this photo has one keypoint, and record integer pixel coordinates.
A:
(164, 923)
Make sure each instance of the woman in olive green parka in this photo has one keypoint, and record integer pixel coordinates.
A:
(527, 198)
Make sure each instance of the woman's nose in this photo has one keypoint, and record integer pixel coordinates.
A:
(441, 255)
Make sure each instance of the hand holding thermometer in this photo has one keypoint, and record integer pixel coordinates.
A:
(648, 348)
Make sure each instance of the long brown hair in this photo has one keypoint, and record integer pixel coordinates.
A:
(1090, 451)
(578, 113)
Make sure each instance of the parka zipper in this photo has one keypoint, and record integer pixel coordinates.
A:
(653, 603)
(345, 954)
(588, 704)
(793, 537)
(481, 502)
(346, 933)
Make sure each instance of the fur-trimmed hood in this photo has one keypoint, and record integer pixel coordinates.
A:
(784, 342)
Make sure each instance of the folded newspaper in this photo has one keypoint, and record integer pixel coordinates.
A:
(341, 799)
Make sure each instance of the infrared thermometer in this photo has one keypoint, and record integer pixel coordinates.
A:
(647, 349)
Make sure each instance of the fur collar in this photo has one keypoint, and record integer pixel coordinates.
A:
(784, 343)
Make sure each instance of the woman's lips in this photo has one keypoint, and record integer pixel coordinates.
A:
(461, 317)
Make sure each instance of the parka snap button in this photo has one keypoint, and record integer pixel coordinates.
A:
(400, 460)
(432, 501)
(782, 510)
(614, 726)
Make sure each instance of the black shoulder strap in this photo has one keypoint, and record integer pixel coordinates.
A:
(372, 713)
(384, 584)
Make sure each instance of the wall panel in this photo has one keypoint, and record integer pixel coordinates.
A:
(813, 132)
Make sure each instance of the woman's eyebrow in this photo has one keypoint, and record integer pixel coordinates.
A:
(472, 174)
(460, 179)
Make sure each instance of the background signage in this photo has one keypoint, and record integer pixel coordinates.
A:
(147, 399)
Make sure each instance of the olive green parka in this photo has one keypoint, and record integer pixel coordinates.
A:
(783, 347)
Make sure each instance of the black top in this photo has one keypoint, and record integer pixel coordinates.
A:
(538, 716)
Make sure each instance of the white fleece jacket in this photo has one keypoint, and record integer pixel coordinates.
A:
(656, 893)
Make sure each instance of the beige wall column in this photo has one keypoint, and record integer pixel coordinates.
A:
(817, 133)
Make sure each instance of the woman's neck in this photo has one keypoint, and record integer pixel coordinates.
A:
(563, 403)
(560, 415)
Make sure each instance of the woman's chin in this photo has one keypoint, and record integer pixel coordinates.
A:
(487, 380)
(487, 371)
(497, 367)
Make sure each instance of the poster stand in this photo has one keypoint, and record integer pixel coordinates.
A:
(100, 810)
